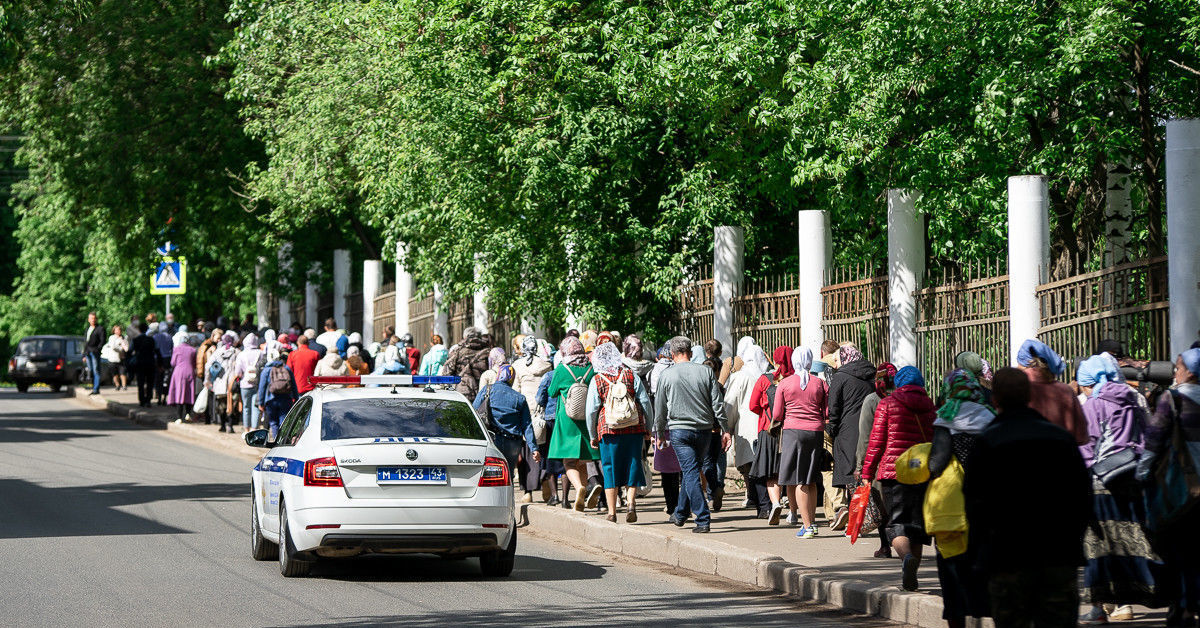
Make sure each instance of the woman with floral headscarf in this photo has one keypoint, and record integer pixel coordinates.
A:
(801, 403)
(570, 441)
(617, 386)
(496, 359)
(765, 467)
(965, 412)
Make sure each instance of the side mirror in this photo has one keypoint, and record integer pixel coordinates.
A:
(257, 438)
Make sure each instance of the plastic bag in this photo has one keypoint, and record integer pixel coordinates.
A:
(647, 473)
(201, 404)
(864, 514)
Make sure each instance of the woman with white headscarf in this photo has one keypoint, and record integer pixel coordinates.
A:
(743, 422)
(618, 411)
(801, 403)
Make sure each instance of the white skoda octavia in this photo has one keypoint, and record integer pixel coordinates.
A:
(389, 470)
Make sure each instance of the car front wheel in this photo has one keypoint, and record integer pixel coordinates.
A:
(22, 387)
(289, 565)
(260, 547)
(499, 563)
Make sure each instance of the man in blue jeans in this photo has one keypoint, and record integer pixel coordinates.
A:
(688, 406)
(92, 343)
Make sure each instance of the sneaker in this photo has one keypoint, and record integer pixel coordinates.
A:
(718, 495)
(908, 573)
(1094, 616)
(677, 521)
(593, 494)
(527, 498)
(746, 503)
(1121, 613)
(792, 519)
(700, 529)
(839, 519)
(807, 533)
(776, 511)
(812, 530)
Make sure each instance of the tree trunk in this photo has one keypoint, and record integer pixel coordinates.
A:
(1151, 152)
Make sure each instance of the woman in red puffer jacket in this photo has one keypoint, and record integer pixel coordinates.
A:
(903, 419)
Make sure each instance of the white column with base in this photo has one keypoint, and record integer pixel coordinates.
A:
(906, 272)
(404, 290)
(285, 269)
(1028, 256)
(441, 317)
(479, 302)
(1183, 232)
(341, 285)
(372, 281)
(312, 296)
(816, 250)
(728, 268)
(262, 298)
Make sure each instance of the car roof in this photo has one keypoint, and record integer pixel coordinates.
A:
(51, 337)
(326, 395)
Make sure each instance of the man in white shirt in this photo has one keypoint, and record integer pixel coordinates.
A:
(329, 337)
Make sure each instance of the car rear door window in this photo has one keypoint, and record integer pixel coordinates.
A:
(385, 418)
(41, 347)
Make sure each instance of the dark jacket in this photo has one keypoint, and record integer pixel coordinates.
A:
(468, 361)
(847, 389)
(144, 353)
(94, 341)
(1022, 462)
(549, 404)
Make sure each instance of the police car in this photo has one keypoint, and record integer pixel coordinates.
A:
(406, 467)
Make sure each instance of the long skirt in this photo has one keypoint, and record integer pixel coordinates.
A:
(570, 441)
(766, 457)
(1121, 565)
(621, 460)
(799, 457)
(904, 505)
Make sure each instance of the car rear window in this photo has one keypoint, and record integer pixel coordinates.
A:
(383, 417)
(40, 346)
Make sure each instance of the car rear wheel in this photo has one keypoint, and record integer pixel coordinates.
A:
(260, 547)
(499, 563)
(56, 387)
(22, 387)
(289, 565)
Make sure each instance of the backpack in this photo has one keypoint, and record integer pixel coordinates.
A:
(575, 401)
(280, 382)
(620, 411)
(776, 426)
(250, 376)
(216, 370)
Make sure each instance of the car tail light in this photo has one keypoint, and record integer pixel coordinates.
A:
(12, 365)
(322, 472)
(495, 472)
(58, 366)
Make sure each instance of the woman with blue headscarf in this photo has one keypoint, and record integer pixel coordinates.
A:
(1118, 560)
(903, 419)
(1052, 399)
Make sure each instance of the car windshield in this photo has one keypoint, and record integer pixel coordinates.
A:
(383, 417)
(40, 346)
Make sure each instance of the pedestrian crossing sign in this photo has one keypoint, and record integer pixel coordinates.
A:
(170, 278)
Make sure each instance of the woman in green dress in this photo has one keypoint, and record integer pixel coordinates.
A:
(570, 441)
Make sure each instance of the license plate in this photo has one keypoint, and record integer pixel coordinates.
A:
(410, 475)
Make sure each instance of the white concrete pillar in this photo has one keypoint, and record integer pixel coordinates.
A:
(816, 252)
(441, 317)
(312, 296)
(1118, 215)
(262, 297)
(404, 290)
(372, 281)
(729, 246)
(1028, 256)
(1183, 232)
(906, 271)
(479, 302)
(341, 285)
(285, 269)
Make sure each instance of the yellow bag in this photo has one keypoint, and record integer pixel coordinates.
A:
(945, 511)
(912, 467)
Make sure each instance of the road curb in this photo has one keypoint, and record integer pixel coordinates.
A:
(188, 431)
(745, 566)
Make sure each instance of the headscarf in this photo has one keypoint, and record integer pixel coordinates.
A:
(355, 338)
(742, 343)
(664, 352)
(1097, 371)
(1031, 349)
(698, 354)
(909, 376)
(182, 328)
(975, 364)
(960, 386)
(607, 359)
(603, 337)
(544, 350)
(588, 338)
(849, 353)
(632, 347)
(819, 367)
(373, 349)
(754, 359)
(505, 375)
(884, 379)
(1191, 361)
(496, 357)
(783, 362)
(353, 350)
(471, 333)
(228, 339)
(571, 350)
(529, 349)
(180, 337)
(250, 341)
(802, 359)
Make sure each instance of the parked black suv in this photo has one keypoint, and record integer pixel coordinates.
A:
(53, 360)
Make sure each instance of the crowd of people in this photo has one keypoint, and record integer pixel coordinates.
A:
(964, 463)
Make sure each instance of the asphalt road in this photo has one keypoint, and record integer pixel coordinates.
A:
(106, 524)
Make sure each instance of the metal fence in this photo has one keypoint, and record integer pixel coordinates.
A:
(768, 310)
(1128, 302)
(354, 313)
(385, 312)
(694, 308)
(460, 316)
(855, 309)
(420, 322)
(963, 310)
